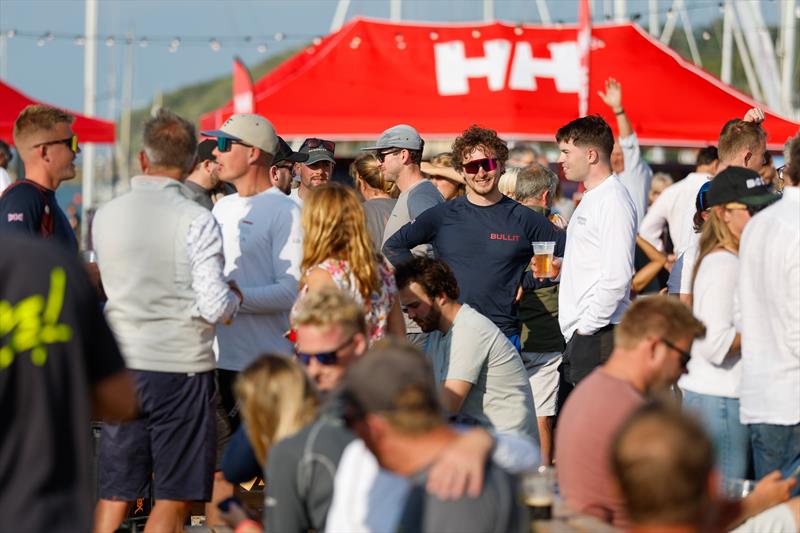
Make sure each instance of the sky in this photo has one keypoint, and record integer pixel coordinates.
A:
(53, 72)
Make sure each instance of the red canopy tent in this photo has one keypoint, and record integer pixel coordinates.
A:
(520, 80)
(87, 129)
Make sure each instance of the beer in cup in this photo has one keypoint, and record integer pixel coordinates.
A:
(543, 258)
(537, 487)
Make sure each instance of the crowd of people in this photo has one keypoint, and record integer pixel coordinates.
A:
(388, 354)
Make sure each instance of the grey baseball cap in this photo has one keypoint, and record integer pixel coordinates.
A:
(254, 130)
(400, 136)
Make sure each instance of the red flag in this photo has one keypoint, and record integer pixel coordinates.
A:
(584, 47)
(243, 99)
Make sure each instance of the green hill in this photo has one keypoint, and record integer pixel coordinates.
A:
(192, 101)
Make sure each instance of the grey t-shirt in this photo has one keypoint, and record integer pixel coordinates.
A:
(476, 351)
(410, 204)
(497, 509)
(199, 194)
(377, 212)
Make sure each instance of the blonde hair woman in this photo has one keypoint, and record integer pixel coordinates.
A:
(276, 400)
(711, 388)
(376, 191)
(508, 183)
(337, 251)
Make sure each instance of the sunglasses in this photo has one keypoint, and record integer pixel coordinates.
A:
(70, 142)
(685, 356)
(751, 209)
(381, 156)
(224, 144)
(323, 358)
(314, 143)
(473, 167)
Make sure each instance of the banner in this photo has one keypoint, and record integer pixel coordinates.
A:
(522, 81)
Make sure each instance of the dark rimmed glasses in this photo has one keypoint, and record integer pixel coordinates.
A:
(381, 156)
(224, 144)
(323, 358)
(685, 356)
(70, 142)
(313, 143)
(487, 164)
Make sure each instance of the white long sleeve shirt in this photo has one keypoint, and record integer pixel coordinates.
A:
(598, 261)
(675, 207)
(680, 279)
(637, 174)
(5, 180)
(263, 243)
(712, 370)
(769, 295)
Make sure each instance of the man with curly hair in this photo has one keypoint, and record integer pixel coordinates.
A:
(483, 236)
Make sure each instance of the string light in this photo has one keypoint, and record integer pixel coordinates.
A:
(11, 34)
(143, 42)
(262, 48)
(280, 36)
(215, 45)
(109, 41)
(79, 40)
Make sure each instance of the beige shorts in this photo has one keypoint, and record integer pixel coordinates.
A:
(542, 369)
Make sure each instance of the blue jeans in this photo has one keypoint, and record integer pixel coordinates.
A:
(775, 448)
(731, 439)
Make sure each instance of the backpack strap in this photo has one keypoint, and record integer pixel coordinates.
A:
(47, 225)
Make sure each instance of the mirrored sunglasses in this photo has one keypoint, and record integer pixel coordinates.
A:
(486, 164)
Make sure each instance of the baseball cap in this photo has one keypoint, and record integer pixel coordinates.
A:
(285, 153)
(378, 381)
(205, 151)
(739, 184)
(400, 136)
(317, 150)
(254, 130)
(447, 172)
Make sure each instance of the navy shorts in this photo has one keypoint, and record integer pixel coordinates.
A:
(173, 441)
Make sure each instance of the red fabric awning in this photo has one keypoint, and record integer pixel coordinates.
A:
(519, 80)
(12, 102)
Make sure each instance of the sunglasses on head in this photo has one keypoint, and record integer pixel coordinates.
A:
(224, 144)
(752, 209)
(323, 358)
(314, 143)
(70, 142)
(487, 165)
(381, 156)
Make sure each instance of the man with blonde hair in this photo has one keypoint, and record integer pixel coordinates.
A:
(652, 347)
(743, 143)
(47, 146)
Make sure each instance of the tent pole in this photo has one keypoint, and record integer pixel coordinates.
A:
(687, 29)
(395, 10)
(653, 6)
(727, 43)
(89, 74)
(3, 57)
(488, 10)
(669, 26)
(619, 10)
(544, 11)
(339, 15)
(124, 144)
(788, 30)
(744, 55)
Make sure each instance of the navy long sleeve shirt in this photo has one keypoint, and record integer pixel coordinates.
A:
(488, 248)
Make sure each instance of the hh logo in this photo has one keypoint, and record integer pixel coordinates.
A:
(454, 68)
(503, 237)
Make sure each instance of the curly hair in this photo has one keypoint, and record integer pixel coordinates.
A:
(335, 226)
(474, 137)
(433, 275)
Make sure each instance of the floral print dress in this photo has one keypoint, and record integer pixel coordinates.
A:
(377, 312)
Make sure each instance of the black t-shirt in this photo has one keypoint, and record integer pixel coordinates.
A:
(488, 248)
(54, 346)
(22, 208)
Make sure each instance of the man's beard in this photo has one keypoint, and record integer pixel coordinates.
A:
(431, 322)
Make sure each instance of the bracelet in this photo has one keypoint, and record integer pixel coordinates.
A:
(620, 112)
(247, 525)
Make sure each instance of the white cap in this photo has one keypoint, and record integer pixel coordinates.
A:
(254, 130)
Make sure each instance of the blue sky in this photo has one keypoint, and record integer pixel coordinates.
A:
(54, 72)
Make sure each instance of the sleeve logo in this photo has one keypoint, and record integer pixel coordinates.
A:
(16, 217)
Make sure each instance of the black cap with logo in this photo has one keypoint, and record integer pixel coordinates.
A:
(742, 185)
